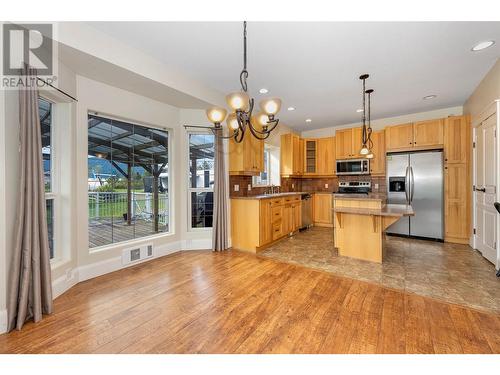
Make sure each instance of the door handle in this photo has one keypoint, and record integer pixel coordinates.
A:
(483, 190)
(407, 185)
(412, 190)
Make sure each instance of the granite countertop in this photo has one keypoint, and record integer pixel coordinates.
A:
(397, 210)
(271, 196)
(370, 196)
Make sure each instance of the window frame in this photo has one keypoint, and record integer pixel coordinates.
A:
(267, 167)
(171, 229)
(53, 194)
(190, 190)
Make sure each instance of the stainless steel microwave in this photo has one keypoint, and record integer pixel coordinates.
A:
(353, 167)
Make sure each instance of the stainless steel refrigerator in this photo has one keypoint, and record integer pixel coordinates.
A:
(416, 179)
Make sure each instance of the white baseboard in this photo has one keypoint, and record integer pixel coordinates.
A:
(63, 283)
(3, 321)
(82, 273)
(197, 244)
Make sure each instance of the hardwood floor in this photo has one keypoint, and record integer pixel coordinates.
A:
(232, 302)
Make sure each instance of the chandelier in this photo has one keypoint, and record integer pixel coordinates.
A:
(366, 134)
(242, 118)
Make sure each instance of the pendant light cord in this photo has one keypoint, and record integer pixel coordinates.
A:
(244, 72)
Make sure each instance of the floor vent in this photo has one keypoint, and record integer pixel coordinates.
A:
(137, 254)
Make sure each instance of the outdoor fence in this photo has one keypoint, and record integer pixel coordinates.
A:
(107, 205)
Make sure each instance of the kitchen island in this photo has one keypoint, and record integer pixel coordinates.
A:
(360, 221)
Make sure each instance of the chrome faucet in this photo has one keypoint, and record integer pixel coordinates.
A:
(273, 190)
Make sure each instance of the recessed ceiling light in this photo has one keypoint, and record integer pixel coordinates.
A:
(291, 108)
(308, 120)
(263, 91)
(429, 97)
(359, 110)
(482, 45)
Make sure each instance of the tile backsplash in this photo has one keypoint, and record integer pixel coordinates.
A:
(302, 184)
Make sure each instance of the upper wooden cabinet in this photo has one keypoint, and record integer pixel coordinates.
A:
(357, 143)
(292, 155)
(325, 161)
(343, 144)
(428, 133)
(347, 143)
(377, 164)
(399, 137)
(247, 157)
(310, 156)
(457, 139)
(419, 135)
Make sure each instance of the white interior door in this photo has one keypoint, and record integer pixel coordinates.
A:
(485, 193)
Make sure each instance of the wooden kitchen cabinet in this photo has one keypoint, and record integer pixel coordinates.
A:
(343, 144)
(357, 143)
(420, 135)
(291, 155)
(456, 203)
(247, 157)
(272, 218)
(310, 156)
(399, 137)
(297, 215)
(457, 139)
(326, 156)
(428, 133)
(348, 143)
(322, 209)
(457, 180)
(266, 227)
(377, 164)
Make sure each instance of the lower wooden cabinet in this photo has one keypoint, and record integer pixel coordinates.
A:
(255, 223)
(322, 209)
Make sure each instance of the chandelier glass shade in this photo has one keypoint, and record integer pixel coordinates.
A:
(241, 117)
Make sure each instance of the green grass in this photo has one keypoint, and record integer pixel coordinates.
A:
(118, 208)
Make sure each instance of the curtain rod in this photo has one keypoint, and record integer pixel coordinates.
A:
(61, 91)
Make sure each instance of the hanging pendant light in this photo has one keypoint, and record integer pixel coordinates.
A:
(369, 127)
(366, 133)
(241, 118)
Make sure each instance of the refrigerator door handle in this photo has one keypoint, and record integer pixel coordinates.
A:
(407, 185)
(412, 188)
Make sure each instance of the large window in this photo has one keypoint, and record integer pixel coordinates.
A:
(46, 117)
(201, 179)
(128, 181)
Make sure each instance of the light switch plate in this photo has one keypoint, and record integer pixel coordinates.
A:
(293, 186)
(326, 186)
(236, 187)
(249, 187)
(376, 186)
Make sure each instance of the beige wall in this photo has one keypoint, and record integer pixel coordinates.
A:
(485, 93)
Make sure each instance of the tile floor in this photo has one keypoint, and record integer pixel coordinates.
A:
(449, 272)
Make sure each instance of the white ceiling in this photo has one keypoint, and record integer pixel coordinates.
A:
(314, 66)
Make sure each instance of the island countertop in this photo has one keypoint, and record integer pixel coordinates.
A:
(364, 197)
(394, 210)
(270, 196)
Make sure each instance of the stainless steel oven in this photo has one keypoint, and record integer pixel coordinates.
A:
(353, 167)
